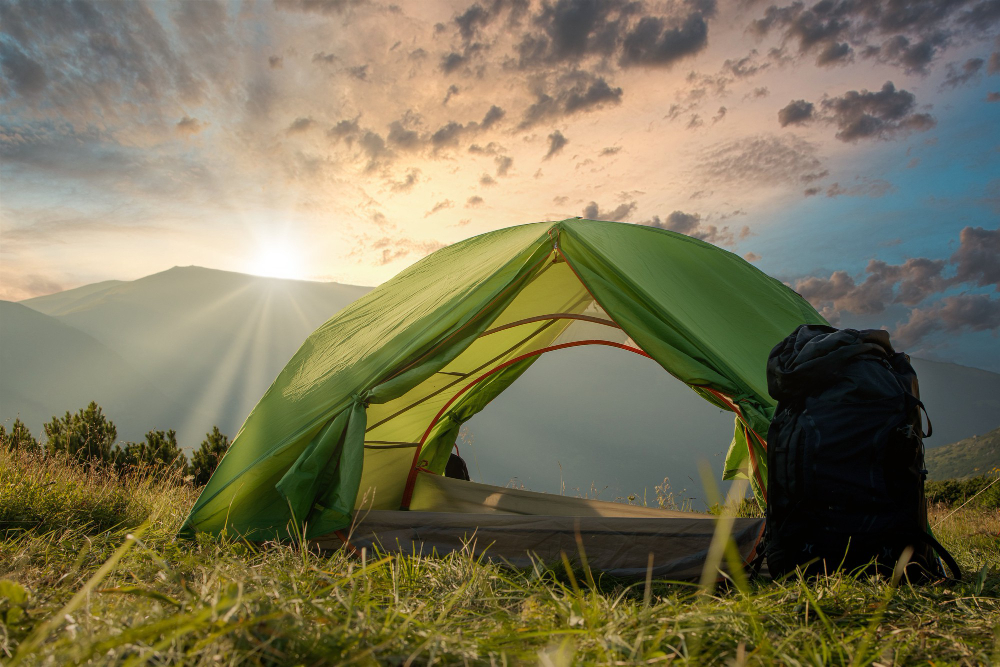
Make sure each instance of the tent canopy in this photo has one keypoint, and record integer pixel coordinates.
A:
(375, 397)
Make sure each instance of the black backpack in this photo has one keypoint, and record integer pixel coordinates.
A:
(845, 457)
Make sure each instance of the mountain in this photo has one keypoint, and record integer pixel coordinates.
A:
(971, 457)
(190, 348)
(211, 341)
(49, 368)
(960, 401)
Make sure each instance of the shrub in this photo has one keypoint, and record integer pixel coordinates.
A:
(159, 451)
(205, 459)
(19, 438)
(982, 492)
(87, 435)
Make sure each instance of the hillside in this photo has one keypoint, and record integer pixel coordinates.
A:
(978, 455)
(49, 368)
(213, 341)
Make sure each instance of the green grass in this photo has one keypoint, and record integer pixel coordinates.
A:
(972, 457)
(79, 589)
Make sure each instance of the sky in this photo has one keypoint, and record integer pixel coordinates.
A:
(850, 148)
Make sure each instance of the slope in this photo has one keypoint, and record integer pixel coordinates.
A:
(978, 455)
(211, 340)
(49, 368)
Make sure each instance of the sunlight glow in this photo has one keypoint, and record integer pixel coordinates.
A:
(278, 260)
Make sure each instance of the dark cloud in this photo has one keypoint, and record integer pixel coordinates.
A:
(447, 135)
(275, 62)
(403, 137)
(452, 61)
(796, 112)
(22, 74)
(993, 67)
(875, 115)
(905, 33)
(653, 42)
(913, 57)
(993, 97)
(617, 214)
(953, 314)
(323, 57)
(745, 67)
(474, 201)
(572, 92)
(970, 70)
(978, 257)
(328, 7)
(975, 263)
(610, 150)
(359, 72)
(452, 91)
(835, 54)
(492, 148)
(691, 224)
(493, 116)
(387, 249)
(760, 92)
(751, 257)
(504, 163)
(188, 126)
(487, 181)
(811, 192)
(556, 143)
(300, 124)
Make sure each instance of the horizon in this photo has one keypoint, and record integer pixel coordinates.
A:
(850, 151)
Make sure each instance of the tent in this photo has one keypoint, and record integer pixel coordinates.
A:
(354, 434)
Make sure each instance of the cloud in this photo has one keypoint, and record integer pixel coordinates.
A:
(571, 93)
(993, 67)
(970, 70)
(975, 263)
(487, 181)
(300, 124)
(993, 97)
(690, 224)
(978, 257)
(619, 213)
(796, 112)
(275, 62)
(493, 116)
(953, 314)
(387, 250)
(440, 206)
(760, 160)
(412, 178)
(188, 126)
(874, 188)
(654, 42)
(504, 163)
(906, 34)
(328, 7)
(751, 257)
(474, 201)
(875, 115)
(610, 150)
(556, 143)
(23, 74)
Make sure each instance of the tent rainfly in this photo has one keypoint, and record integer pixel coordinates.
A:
(352, 438)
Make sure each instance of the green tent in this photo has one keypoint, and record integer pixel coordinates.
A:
(365, 415)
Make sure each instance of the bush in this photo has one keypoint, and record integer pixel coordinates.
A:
(158, 451)
(205, 459)
(982, 492)
(87, 435)
(19, 438)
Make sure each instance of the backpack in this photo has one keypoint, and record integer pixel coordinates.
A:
(845, 457)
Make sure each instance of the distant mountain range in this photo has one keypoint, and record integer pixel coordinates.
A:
(190, 348)
(972, 457)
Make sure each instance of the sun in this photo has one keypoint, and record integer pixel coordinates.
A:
(278, 260)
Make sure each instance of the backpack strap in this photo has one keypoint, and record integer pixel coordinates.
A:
(928, 539)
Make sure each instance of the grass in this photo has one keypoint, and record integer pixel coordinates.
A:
(80, 589)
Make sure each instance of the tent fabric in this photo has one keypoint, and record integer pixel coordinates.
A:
(619, 546)
(379, 390)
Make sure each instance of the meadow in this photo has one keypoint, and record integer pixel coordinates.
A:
(90, 572)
